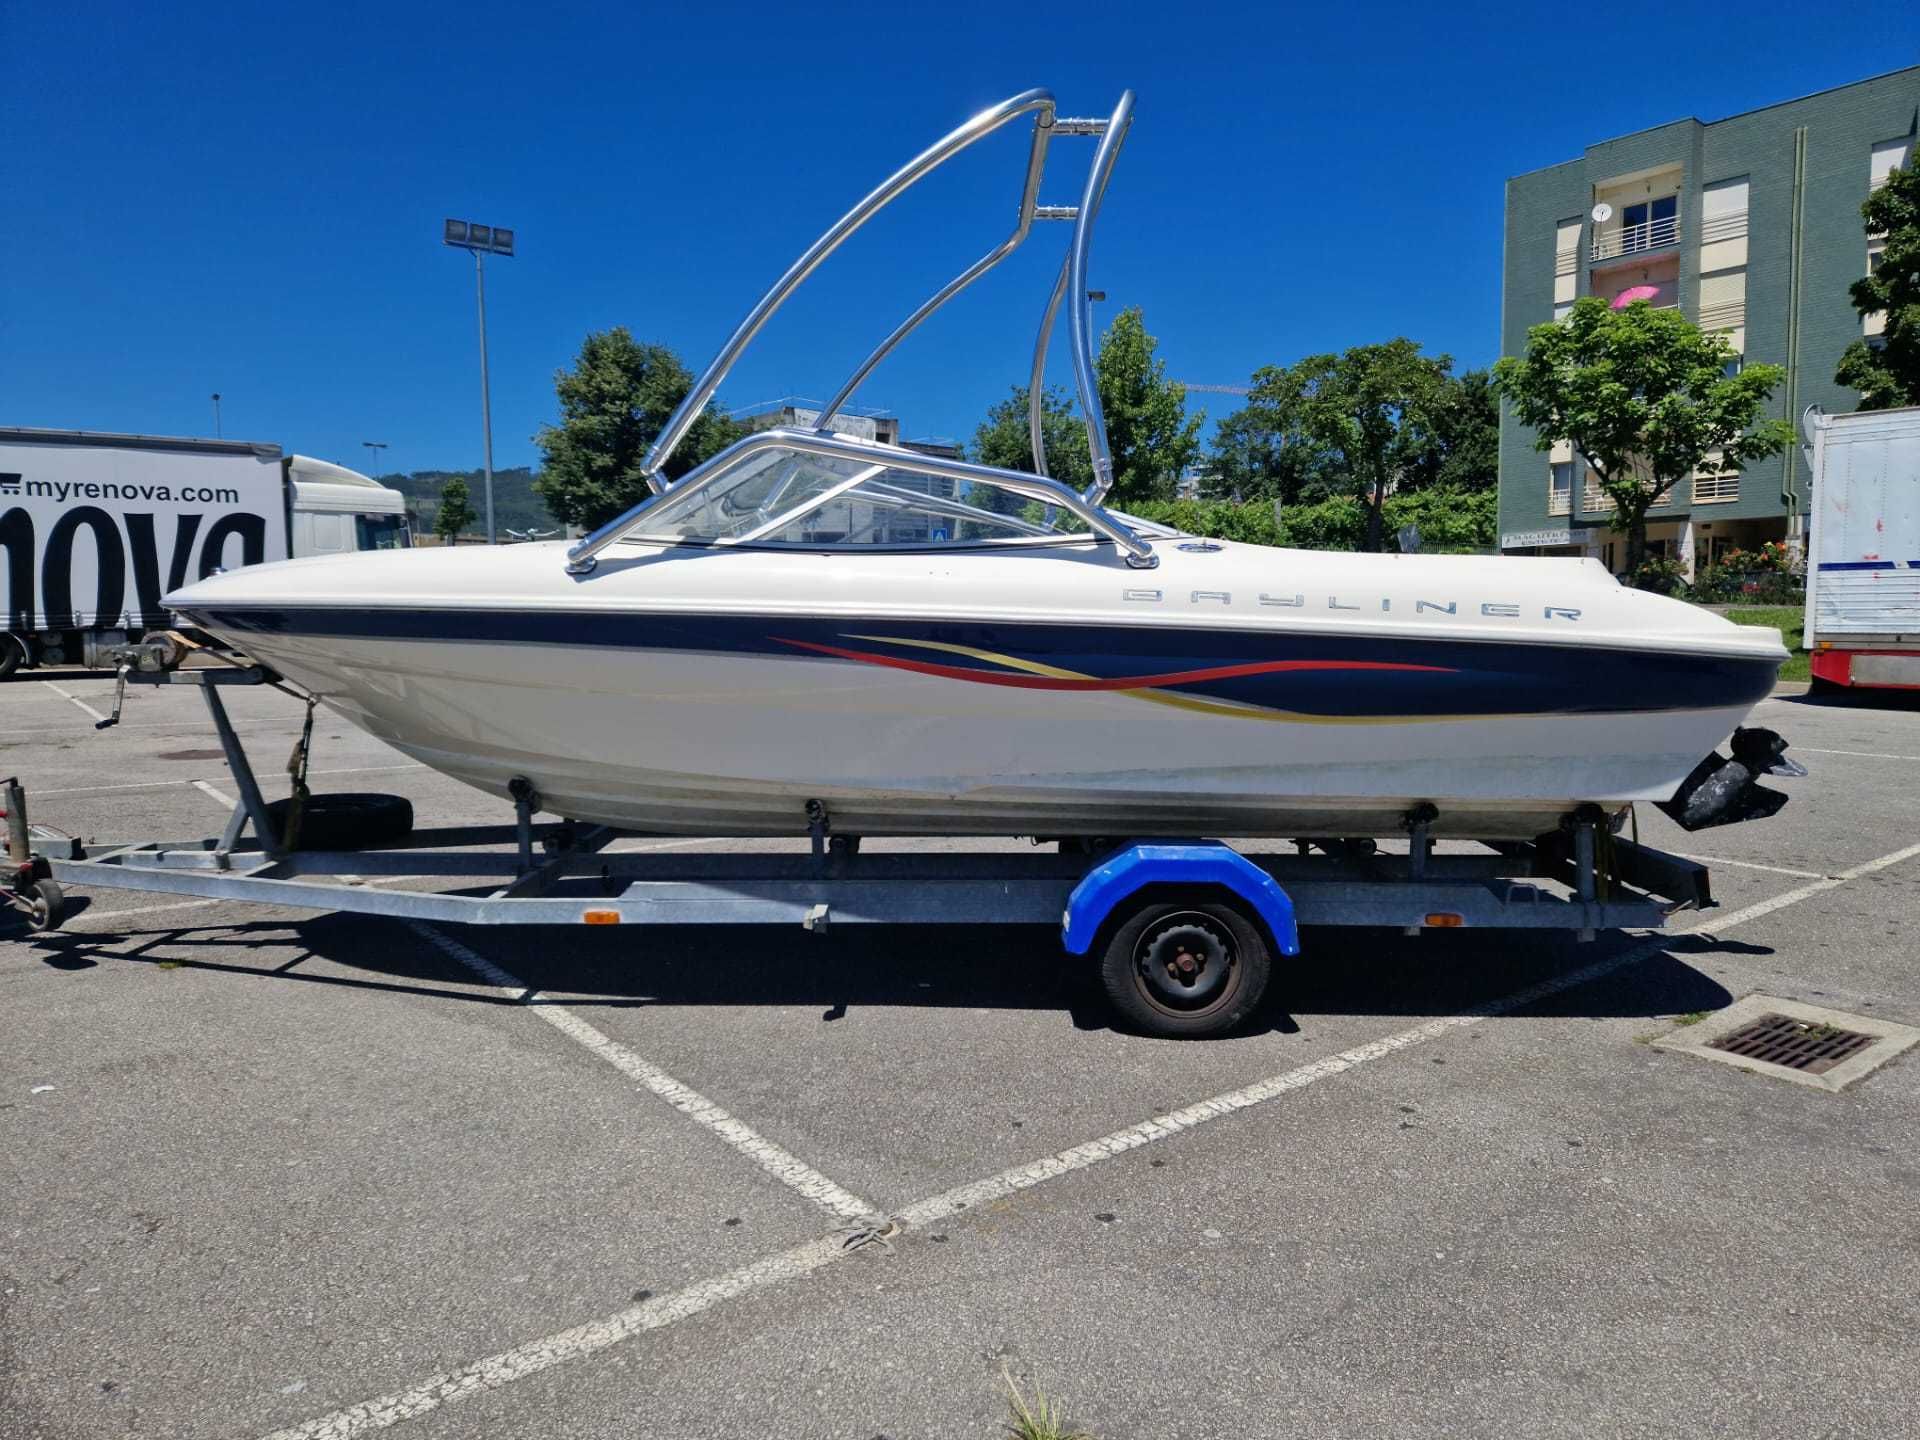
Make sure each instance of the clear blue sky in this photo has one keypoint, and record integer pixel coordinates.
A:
(248, 198)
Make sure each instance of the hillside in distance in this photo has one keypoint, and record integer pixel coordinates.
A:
(515, 506)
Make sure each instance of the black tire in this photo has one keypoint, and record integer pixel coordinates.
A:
(1186, 968)
(348, 821)
(13, 653)
(48, 904)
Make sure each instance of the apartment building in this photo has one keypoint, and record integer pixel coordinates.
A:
(1751, 227)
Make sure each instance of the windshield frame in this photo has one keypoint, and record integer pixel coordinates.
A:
(876, 458)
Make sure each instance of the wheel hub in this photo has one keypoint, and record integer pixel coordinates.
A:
(1185, 961)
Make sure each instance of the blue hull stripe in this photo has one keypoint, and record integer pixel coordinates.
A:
(1329, 676)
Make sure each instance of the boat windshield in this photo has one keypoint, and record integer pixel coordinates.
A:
(782, 497)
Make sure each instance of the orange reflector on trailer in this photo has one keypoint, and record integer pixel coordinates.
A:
(1446, 920)
(602, 917)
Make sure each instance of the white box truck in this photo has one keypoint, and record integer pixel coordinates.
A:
(1863, 548)
(95, 528)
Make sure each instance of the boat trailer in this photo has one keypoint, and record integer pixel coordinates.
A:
(1184, 931)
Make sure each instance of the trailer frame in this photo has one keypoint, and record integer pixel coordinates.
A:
(563, 873)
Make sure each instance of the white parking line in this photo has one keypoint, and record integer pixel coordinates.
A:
(206, 787)
(1863, 754)
(1750, 865)
(70, 698)
(137, 724)
(504, 1368)
(524, 1360)
(167, 784)
(788, 1169)
(619, 848)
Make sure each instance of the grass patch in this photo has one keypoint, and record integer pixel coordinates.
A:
(1042, 1420)
(1790, 621)
(1692, 1017)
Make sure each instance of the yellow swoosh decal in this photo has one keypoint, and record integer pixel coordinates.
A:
(1193, 703)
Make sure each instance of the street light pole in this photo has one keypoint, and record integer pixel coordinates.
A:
(486, 391)
(375, 446)
(216, 414)
(482, 240)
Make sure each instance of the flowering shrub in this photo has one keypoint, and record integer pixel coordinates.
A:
(1768, 575)
(1659, 574)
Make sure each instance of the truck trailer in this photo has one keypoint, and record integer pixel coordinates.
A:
(1863, 548)
(95, 528)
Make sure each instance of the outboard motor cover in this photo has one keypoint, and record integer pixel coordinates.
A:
(1720, 791)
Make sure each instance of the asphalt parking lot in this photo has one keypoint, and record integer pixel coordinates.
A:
(273, 1174)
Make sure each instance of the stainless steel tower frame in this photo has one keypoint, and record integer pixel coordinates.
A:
(1111, 134)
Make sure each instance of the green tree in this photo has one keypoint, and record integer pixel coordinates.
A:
(1462, 434)
(1644, 397)
(613, 402)
(1886, 369)
(1276, 446)
(1368, 414)
(456, 511)
(1259, 453)
(1004, 440)
(1152, 437)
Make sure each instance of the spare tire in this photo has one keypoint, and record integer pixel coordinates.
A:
(348, 821)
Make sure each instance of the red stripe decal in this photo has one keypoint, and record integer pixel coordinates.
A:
(1123, 682)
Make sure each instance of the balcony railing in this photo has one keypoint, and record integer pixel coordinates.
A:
(1730, 226)
(1716, 489)
(1632, 239)
(1559, 502)
(1594, 498)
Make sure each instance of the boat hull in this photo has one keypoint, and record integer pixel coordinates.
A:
(979, 729)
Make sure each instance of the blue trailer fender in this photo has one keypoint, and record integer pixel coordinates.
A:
(1128, 871)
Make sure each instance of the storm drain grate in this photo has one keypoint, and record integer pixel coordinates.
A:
(1792, 1040)
(1807, 1046)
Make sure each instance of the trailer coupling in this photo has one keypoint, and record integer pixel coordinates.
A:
(1722, 791)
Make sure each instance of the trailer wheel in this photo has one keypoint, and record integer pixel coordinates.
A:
(13, 653)
(46, 904)
(1186, 969)
(346, 821)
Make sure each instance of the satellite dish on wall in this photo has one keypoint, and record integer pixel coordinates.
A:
(1602, 213)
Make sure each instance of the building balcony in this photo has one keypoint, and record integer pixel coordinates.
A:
(1716, 489)
(1593, 498)
(1625, 240)
(1559, 502)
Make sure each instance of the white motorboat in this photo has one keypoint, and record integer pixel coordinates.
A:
(815, 624)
